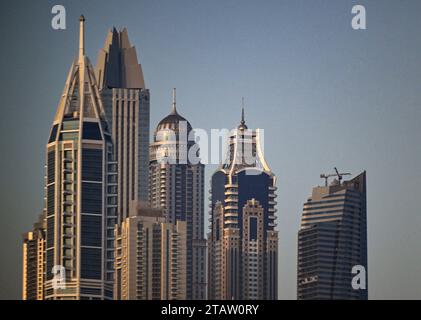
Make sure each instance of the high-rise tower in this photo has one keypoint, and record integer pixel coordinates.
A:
(126, 103)
(176, 186)
(150, 256)
(79, 194)
(332, 240)
(34, 261)
(243, 242)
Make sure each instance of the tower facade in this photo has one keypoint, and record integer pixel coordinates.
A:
(126, 103)
(80, 176)
(332, 240)
(243, 242)
(176, 185)
(150, 257)
(34, 261)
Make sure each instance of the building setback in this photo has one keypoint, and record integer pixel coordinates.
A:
(34, 261)
(332, 239)
(150, 257)
(80, 223)
(243, 242)
(176, 186)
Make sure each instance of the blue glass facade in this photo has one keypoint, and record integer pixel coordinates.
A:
(253, 184)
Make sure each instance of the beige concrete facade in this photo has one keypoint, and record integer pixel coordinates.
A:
(150, 257)
(34, 262)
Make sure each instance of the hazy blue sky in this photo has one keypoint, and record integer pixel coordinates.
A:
(325, 94)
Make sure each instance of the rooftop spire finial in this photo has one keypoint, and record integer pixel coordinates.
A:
(174, 107)
(242, 125)
(242, 111)
(81, 37)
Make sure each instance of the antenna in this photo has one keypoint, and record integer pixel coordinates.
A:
(242, 111)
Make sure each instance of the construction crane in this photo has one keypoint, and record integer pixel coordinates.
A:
(337, 174)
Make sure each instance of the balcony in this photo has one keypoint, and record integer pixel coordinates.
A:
(231, 214)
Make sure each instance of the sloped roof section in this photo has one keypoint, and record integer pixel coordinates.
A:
(117, 65)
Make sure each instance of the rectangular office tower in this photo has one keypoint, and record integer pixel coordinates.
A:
(150, 260)
(34, 261)
(80, 221)
(333, 240)
(126, 102)
(243, 241)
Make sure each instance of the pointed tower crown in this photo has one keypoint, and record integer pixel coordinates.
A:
(117, 65)
(80, 98)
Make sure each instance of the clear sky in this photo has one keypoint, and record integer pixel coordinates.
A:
(325, 94)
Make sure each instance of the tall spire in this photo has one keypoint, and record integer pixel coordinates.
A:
(174, 103)
(81, 37)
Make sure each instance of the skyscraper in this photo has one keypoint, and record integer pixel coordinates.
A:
(332, 240)
(150, 257)
(243, 242)
(34, 261)
(176, 186)
(79, 203)
(126, 103)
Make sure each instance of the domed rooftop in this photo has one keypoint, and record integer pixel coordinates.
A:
(173, 120)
